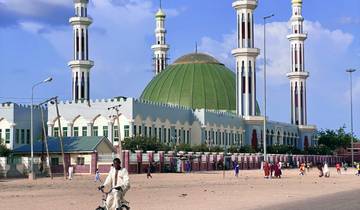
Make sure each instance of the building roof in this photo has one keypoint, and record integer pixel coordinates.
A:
(197, 81)
(71, 145)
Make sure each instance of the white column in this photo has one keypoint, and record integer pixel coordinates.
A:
(50, 129)
(111, 131)
(89, 129)
(70, 129)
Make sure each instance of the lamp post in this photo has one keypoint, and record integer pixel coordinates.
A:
(264, 131)
(350, 71)
(32, 174)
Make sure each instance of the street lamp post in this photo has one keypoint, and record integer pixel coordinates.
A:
(264, 131)
(32, 174)
(350, 71)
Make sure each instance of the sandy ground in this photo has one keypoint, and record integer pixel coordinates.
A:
(206, 190)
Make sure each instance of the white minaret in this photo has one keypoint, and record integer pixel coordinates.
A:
(298, 75)
(81, 65)
(160, 48)
(245, 55)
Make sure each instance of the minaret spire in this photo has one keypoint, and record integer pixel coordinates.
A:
(160, 48)
(298, 75)
(245, 55)
(81, 65)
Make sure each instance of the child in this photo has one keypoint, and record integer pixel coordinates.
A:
(237, 169)
(302, 169)
(338, 168)
(97, 175)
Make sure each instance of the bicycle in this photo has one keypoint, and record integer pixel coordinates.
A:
(124, 205)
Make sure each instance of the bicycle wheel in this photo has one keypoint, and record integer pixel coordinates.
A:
(124, 207)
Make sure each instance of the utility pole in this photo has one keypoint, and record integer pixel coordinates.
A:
(264, 132)
(60, 135)
(45, 139)
(350, 71)
(116, 108)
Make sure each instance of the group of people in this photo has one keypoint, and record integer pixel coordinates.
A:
(272, 170)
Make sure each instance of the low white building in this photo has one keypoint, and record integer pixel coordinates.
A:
(15, 124)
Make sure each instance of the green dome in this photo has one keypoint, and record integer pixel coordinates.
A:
(196, 81)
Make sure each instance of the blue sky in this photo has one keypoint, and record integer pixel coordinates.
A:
(36, 40)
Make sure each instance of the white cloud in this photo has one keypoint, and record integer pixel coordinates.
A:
(32, 27)
(33, 7)
(321, 41)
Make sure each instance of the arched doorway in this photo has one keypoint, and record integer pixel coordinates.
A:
(254, 139)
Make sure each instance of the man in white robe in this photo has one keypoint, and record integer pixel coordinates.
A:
(117, 178)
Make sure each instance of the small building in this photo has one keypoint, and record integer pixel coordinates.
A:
(80, 152)
(15, 124)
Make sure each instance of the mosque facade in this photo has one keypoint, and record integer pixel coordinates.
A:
(194, 100)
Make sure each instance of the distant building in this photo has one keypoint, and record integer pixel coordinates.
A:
(80, 152)
(195, 100)
(15, 124)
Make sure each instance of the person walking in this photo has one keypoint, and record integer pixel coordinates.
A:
(148, 175)
(326, 170)
(320, 168)
(97, 175)
(358, 169)
(277, 169)
(237, 168)
(70, 171)
(266, 170)
(302, 169)
(345, 166)
(338, 168)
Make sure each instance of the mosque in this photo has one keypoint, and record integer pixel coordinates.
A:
(194, 100)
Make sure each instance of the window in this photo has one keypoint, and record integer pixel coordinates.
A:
(145, 134)
(76, 131)
(84, 131)
(95, 131)
(188, 137)
(155, 134)
(65, 131)
(105, 131)
(22, 136)
(80, 161)
(150, 134)
(126, 131)
(134, 134)
(116, 133)
(169, 133)
(54, 161)
(17, 136)
(28, 136)
(140, 130)
(7, 136)
(1, 140)
(160, 135)
(56, 132)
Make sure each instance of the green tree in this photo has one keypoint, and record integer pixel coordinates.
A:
(4, 151)
(144, 143)
(334, 139)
